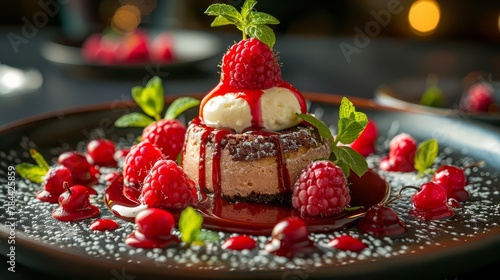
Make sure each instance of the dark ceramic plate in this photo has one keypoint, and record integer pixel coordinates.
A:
(430, 250)
(190, 48)
(406, 93)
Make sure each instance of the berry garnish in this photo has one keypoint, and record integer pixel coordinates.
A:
(250, 64)
(167, 135)
(138, 161)
(154, 229)
(365, 143)
(53, 184)
(82, 171)
(453, 179)
(104, 225)
(479, 97)
(402, 149)
(430, 202)
(290, 238)
(321, 190)
(167, 186)
(347, 243)
(350, 125)
(74, 205)
(239, 243)
(382, 221)
(101, 152)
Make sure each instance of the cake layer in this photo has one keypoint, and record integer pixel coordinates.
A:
(255, 165)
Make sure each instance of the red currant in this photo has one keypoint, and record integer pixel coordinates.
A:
(453, 179)
(290, 238)
(101, 152)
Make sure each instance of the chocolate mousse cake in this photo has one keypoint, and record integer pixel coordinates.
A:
(256, 165)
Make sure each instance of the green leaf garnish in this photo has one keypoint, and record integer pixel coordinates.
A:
(433, 96)
(248, 21)
(190, 227)
(134, 119)
(151, 98)
(34, 172)
(427, 151)
(180, 105)
(350, 125)
(351, 160)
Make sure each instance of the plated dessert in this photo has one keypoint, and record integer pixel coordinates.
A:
(257, 176)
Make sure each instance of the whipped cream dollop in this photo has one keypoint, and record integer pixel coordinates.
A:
(275, 110)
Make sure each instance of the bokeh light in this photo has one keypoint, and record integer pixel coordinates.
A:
(424, 16)
(126, 18)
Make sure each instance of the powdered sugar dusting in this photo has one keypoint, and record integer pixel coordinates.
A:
(479, 215)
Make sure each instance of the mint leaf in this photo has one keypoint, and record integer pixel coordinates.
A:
(205, 236)
(135, 119)
(250, 22)
(350, 123)
(34, 172)
(350, 159)
(433, 97)
(39, 159)
(426, 153)
(349, 130)
(190, 222)
(151, 98)
(263, 18)
(350, 126)
(226, 11)
(180, 105)
(323, 130)
(262, 32)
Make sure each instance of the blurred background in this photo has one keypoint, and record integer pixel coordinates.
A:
(443, 19)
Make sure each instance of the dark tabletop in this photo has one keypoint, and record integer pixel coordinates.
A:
(316, 64)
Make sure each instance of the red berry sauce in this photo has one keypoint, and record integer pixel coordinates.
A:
(239, 243)
(347, 243)
(104, 225)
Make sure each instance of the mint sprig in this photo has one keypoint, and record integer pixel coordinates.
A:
(33, 172)
(250, 22)
(350, 125)
(426, 153)
(151, 100)
(190, 228)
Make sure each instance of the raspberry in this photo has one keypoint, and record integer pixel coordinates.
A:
(402, 149)
(167, 135)
(136, 166)
(250, 64)
(321, 190)
(167, 186)
(478, 98)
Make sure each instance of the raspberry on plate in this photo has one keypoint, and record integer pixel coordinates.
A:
(401, 158)
(321, 190)
(167, 135)
(250, 64)
(136, 166)
(167, 186)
